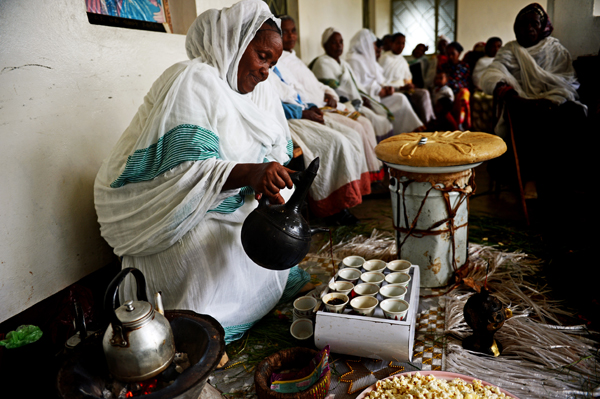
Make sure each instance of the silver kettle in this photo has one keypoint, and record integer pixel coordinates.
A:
(138, 343)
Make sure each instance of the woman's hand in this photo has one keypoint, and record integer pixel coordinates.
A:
(408, 87)
(313, 114)
(386, 91)
(264, 178)
(330, 100)
(366, 102)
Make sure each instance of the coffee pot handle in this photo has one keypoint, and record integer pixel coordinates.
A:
(296, 178)
(112, 292)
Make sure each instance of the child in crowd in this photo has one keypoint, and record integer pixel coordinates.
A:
(441, 88)
(443, 100)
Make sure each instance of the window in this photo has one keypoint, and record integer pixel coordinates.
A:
(422, 21)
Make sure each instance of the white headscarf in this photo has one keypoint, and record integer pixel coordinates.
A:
(220, 37)
(327, 34)
(361, 57)
(168, 169)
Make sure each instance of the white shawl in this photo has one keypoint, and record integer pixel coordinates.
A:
(395, 69)
(541, 71)
(299, 76)
(168, 169)
(362, 59)
(327, 69)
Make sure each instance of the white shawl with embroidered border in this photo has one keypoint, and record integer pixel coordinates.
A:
(167, 170)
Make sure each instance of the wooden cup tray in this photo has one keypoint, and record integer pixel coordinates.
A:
(373, 337)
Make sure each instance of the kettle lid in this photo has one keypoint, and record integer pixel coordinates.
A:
(134, 313)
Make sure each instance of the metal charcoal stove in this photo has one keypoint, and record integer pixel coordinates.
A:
(84, 373)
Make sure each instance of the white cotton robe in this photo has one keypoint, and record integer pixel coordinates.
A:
(339, 76)
(369, 75)
(299, 77)
(159, 195)
(343, 176)
(544, 70)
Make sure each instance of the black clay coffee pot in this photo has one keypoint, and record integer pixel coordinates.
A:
(277, 237)
(485, 314)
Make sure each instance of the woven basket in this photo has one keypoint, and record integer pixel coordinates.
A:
(284, 359)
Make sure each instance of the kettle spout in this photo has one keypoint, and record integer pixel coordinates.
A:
(158, 303)
(316, 230)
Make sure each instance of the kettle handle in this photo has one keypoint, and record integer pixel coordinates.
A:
(110, 297)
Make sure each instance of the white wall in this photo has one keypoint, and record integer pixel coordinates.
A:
(382, 18)
(314, 16)
(574, 24)
(576, 27)
(68, 90)
(478, 20)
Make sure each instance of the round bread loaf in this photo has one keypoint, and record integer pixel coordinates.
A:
(440, 148)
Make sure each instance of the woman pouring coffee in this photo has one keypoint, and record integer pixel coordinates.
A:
(173, 194)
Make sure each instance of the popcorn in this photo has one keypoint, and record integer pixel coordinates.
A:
(417, 386)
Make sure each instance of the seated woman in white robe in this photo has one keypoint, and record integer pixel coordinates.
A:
(297, 75)
(533, 80)
(491, 48)
(367, 84)
(173, 194)
(343, 176)
(395, 71)
(337, 74)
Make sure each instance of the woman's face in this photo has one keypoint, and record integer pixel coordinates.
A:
(289, 34)
(398, 45)
(529, 29)
(262, 53)
(377, 50)
(452, 54)
(334, 47)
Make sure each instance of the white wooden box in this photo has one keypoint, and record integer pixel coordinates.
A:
(373, 337)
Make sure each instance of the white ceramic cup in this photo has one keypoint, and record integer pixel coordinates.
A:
(355, 262)
(398, 278)
(302, 329)
(395, 291)
(399, 266)
(394, 309)
(303, 306)
(349, 274)
(343, 287)
(373, 278)
(367, 289)
(364, 305)
(333, 308)
(374, 265)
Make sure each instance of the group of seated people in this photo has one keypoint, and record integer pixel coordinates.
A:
(339, 109)
(211, 137)
(373, 84)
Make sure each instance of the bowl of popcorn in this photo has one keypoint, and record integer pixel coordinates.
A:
(432, 384)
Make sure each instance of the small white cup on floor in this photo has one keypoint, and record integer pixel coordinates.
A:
(302, 329)
(304, 306)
